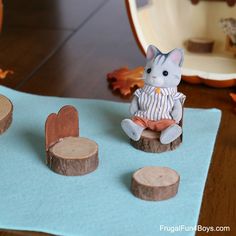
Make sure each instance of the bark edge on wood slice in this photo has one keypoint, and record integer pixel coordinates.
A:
(200, 45)
(6, 113)
(154, 183)
(150, 142)
(67, 153)
(73, 156)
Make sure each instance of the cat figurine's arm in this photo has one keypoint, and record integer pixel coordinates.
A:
(177, 111)
(134, 106)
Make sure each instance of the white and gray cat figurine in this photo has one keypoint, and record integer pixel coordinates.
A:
(158, 105)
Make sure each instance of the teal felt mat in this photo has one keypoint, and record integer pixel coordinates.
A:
(32, 197)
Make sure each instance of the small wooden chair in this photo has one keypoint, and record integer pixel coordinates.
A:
(67, 153)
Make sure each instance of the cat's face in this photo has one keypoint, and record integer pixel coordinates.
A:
(163, 70)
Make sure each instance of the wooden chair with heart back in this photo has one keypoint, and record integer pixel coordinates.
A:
(66, 152)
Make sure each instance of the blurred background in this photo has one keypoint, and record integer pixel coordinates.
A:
(60, 47)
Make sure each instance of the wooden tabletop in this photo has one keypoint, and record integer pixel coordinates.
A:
(66, 48)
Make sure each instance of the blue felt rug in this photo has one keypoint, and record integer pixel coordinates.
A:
(32, 197)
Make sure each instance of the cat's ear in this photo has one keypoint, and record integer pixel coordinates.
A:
(152, 52)
(177, 56)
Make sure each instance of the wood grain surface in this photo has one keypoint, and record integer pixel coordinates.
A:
(73, 156)
(150, 142)
(6, 110)
(155, 183)
(59, 53)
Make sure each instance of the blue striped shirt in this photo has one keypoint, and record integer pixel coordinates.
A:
(156, 105)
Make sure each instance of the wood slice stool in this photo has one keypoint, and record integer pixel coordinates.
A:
(6, 110)
(67, 153)
(155, 183)
(150, 142)
(200, 45)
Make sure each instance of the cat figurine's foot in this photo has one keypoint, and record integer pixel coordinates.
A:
(170, 134)
(132, 130)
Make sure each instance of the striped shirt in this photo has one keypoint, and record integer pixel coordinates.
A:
(156, 104)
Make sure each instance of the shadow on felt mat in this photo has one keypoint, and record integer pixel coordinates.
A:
(37, 142)
(114, 118)
(126, 180)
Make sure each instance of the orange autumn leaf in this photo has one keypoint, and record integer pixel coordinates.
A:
(125, 79)
(4, 73)
(233, 96)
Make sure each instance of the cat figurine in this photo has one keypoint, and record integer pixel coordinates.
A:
(158, 106)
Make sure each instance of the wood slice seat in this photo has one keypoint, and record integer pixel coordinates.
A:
(150, 142)
(67, 153)
(154, 183)
(73, 156)
(200, 45)
(6, 110)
